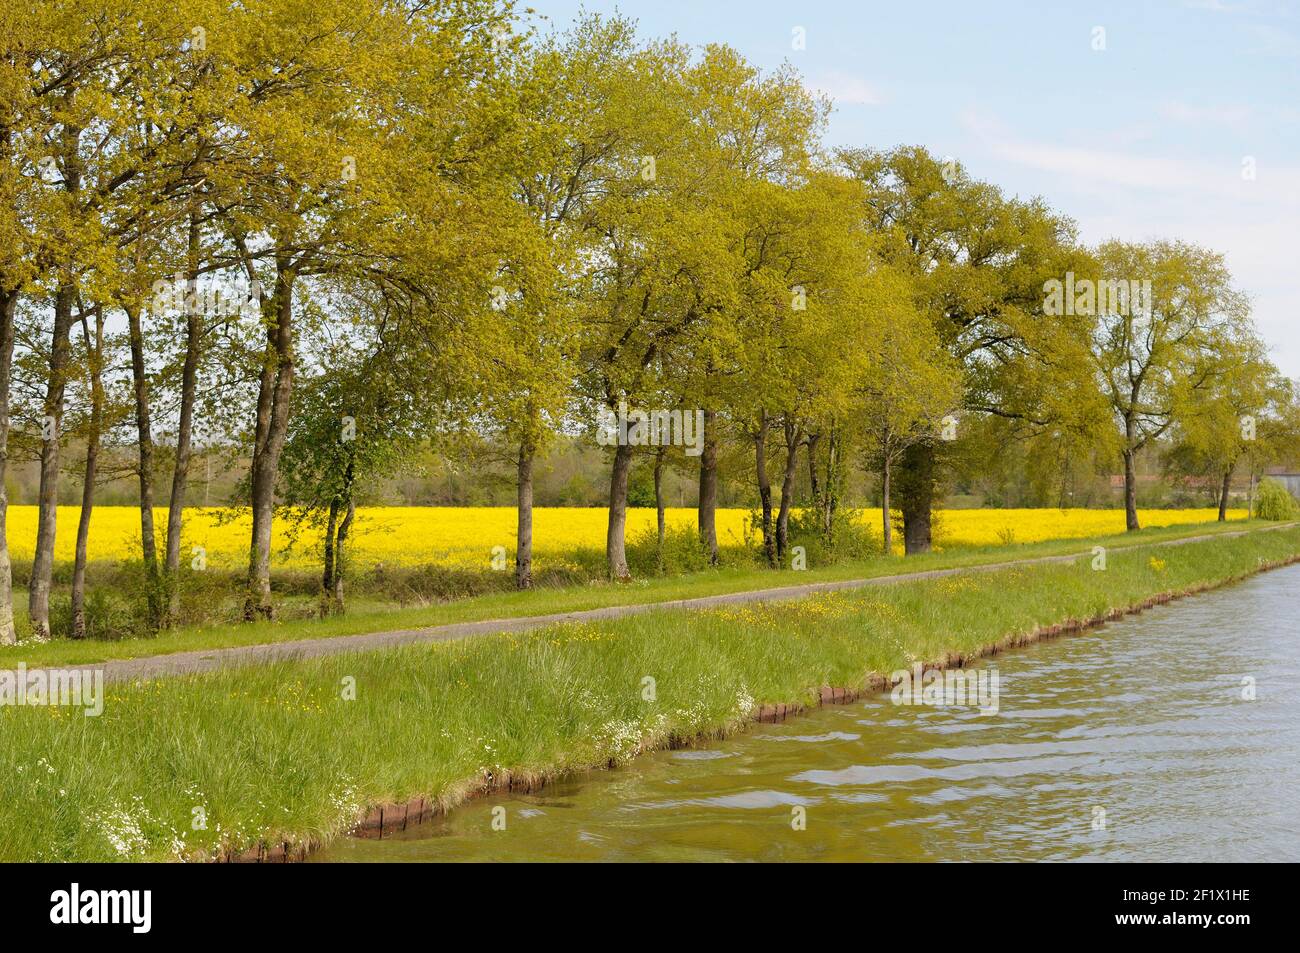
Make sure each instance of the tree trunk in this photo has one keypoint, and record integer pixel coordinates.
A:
(144, 444)
(615, 544)
(707, 511)
(887, 526)
(331, 600)
(94, 360)
(831, 494)
(341, 554)
(327, 574)
(793, 439)
(1130, 492)
(8, 310)
(1223, 495)
(916, 490)
(274, 392)
(524, 532)
(38, 602)
(814, 482)
(660, 506)
(184, 427)
(765, 490)
(38, 595)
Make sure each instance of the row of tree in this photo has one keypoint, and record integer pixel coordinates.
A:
(324, 233)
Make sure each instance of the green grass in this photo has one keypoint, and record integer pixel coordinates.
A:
(366, 617)
(275, 752)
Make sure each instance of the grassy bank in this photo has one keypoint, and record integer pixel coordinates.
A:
(367, 615)
(276, 752)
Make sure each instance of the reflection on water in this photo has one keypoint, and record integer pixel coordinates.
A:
(1143, 720)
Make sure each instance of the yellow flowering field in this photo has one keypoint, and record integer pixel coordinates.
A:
(465, 536)
(991, 527)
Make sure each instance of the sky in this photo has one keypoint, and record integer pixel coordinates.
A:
(1140, 119)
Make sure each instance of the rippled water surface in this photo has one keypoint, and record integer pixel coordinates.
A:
(1142, 719)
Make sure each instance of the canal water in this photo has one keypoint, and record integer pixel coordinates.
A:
(1135, 741)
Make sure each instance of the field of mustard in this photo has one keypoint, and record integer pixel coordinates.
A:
(464, 537)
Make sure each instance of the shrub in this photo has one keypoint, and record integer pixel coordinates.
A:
(851, 537)
(682, 552)
(1274, 502)
(109, 614)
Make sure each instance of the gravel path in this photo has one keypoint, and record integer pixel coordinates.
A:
(184, 663)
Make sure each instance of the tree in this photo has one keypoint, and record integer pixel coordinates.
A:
(977, 263)
(1223, 417)
(523, 345)
(83, 62)
(1160, 308)
(812, 284)
(905, 397)
(757, 161)
(16, 245)
(356, 422)
(148, 252)
(647, 251)
(354, 142)
(95, 354)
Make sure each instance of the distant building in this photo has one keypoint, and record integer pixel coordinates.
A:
(1242, 489)
(1289, 477)
(1143, 479)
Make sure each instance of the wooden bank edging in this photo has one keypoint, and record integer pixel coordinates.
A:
(386, 819)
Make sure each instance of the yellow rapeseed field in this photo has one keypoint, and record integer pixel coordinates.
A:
(465, 536)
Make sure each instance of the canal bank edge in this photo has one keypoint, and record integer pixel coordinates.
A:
(387, 819)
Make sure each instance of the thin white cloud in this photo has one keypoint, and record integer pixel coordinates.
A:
(1227, 114)
(1274, 41)
(1215, 6)
(846, 89)
(1223, 114)
(1199, 178)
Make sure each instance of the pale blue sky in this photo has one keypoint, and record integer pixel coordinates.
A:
(1143, 139)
